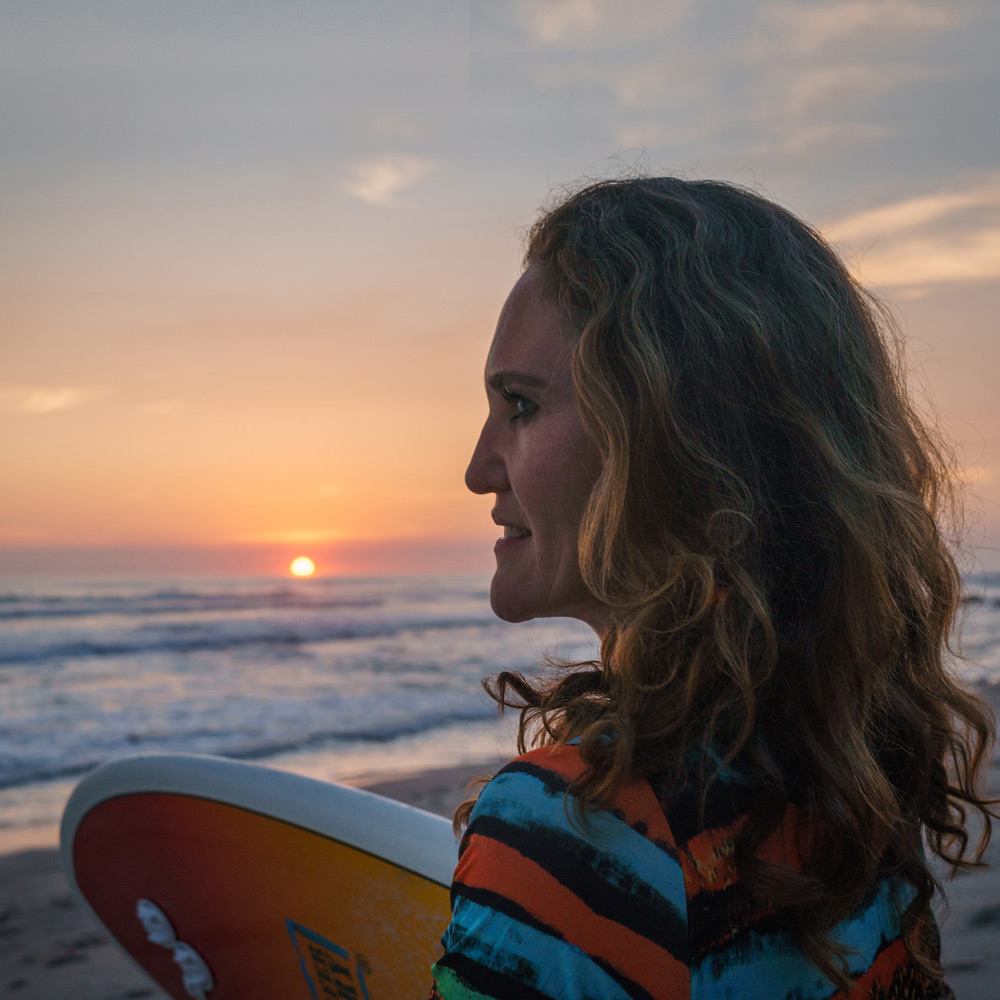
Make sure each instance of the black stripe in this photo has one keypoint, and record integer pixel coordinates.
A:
(723, 923)
(554, 783)
(713, 915)
(725, 804)
(505, 906)
(586, 871)
(748, 945)
(517, 984)
(511, 910)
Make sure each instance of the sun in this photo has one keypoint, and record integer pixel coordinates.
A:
(302, 566)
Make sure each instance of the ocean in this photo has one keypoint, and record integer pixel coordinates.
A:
(332, 677)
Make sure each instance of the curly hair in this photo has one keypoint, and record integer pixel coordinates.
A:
(767, 530)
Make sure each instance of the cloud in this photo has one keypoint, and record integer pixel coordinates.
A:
(554, 21)
(380, 181)
(571, 23)
(944, 237)
(632, 135)
(968, 257)
(840, 85)
(805, 29)
(809, 139)
(35, 400)
(824, 72)
(888, 220)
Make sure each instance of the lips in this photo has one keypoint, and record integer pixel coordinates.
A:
(512, 533)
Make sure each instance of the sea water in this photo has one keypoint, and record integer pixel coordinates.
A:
(333, 677)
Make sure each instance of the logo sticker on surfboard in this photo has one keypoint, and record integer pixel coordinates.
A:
(331, 972)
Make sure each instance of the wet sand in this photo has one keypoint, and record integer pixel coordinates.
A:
(51, 948)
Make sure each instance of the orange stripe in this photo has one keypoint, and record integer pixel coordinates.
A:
(708, 860)
(787, 844)
(636, 799)
(487, 864)
(879, 972)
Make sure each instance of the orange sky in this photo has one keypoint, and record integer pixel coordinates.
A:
(250, 264)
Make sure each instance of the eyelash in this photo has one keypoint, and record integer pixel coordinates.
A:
(516, 399)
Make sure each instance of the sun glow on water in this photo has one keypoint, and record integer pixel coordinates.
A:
(302, 566)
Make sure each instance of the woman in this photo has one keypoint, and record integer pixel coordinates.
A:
(700, 444)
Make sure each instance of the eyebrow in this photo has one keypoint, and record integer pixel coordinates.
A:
(499, 379)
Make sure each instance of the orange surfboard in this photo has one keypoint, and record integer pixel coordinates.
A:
(232, 881)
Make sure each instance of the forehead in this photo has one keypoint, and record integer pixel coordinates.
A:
(533, 333)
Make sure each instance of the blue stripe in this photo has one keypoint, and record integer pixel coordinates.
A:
(523, 800)
(549, 964)
(868, 928)
(771, 967)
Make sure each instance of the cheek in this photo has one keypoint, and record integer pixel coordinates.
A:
(558, 481)
(580, 465)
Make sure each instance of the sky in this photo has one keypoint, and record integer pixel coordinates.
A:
(252, 254)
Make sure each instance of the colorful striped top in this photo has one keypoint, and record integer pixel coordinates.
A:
(641, 902)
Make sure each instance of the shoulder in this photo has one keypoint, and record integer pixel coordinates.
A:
(534, 791)
(543, 893)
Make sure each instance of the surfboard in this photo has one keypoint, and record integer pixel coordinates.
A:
(232, 881)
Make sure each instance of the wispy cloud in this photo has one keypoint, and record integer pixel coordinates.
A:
(554, 21)
(38, 399)
(806, 29)
(946, 236)
(640, 134)
(823, 74)
(809, 139)
(968, 257)
(842, 85)
(888, 220)
(579, 22)
(380, 181)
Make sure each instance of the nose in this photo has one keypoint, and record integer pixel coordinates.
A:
(487, 472)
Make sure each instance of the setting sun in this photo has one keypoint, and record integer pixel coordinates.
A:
(302, 566)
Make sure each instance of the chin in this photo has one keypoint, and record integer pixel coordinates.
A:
(509, 604)
(512, 603)
(511, 611)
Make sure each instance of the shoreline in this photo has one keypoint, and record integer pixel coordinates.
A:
(52, 946)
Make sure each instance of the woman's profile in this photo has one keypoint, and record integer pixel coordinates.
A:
(700, 443)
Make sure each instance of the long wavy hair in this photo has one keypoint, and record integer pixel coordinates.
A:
(767, 530)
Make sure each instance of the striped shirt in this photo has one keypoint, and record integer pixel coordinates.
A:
(639, 902)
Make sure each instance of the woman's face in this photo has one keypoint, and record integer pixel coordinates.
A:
(535, 456)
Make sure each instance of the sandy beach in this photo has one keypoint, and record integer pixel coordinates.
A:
(51, 948)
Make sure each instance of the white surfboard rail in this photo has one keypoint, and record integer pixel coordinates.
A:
(402, 834)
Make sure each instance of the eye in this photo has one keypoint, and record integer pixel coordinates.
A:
(521, 404)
